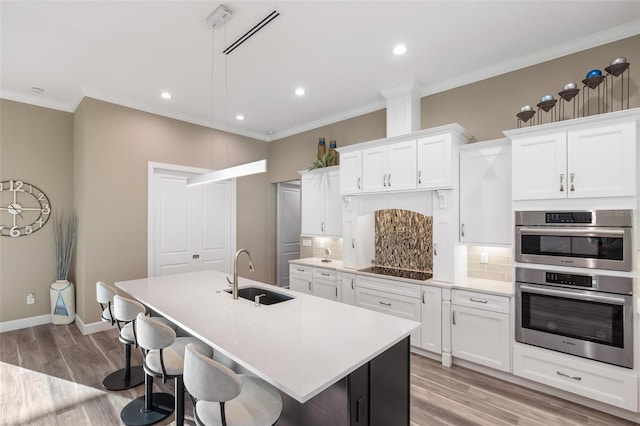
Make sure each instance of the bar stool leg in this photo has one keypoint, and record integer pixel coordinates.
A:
(179, 391)
(125, 378)
(148, 409)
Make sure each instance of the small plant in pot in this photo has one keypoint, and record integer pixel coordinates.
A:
(324, 161)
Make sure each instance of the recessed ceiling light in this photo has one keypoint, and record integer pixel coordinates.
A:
(239, 117)
(166, 95)
(400, 49)
(270, 132)
(299, 91)
(38, 90)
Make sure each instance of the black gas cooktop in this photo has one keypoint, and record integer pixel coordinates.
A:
(400, 273)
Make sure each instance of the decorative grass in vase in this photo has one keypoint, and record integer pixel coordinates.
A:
(64, 234)
(324, 161)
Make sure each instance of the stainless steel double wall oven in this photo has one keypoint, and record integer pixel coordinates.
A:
(588, 311)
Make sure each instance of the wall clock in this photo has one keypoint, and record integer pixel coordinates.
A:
(24, 208)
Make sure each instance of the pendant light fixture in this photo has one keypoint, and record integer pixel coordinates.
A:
(218, 18)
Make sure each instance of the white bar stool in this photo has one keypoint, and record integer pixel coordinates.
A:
(224, 397)
(164, 359)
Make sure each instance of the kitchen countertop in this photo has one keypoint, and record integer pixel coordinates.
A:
(500, 288)
(301, 346)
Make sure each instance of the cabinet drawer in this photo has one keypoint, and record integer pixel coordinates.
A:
(325, 274)
(489, 302)
(609, 384)
(392, 304)
(389, 286)
(304, 272)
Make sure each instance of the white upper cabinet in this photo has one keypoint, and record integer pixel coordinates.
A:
(321, 208)
(351, 172)
(435, 154)
(389, 167)
(584, 158)
(485, 193)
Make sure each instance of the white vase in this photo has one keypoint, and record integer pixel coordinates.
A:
(63, 305)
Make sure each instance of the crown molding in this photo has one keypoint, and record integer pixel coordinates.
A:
(36, 100)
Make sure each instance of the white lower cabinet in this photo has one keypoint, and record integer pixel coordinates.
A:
(612, 385)
(431, 330)
(395, 298)
(300, 278)
(348, 284)
(480, 329)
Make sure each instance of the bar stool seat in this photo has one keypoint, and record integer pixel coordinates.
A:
(226, 398)
(164, 358)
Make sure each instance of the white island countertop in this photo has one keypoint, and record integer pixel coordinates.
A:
(301, 346)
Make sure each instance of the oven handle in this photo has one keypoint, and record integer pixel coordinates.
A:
(571, 295)
(599, 232)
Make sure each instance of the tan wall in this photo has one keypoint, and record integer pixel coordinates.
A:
(113, 150)
(488, 107)
(289, 155)
(36, 147)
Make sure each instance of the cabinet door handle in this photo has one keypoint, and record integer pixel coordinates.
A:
(435, 249)
(384, 303)
(195, 256)
(384, 180)
(419, 176)
(310, 286)
(359, 179)
(299, 270)
(561, 182)
(462, 229)
(454, 317)
(336, 293)
(569, 376)
(477, 300)
(326, 275)
(423, 292)
(389, 179)
(353, 243)
(322, 226)
(352, 280)
(573, 175)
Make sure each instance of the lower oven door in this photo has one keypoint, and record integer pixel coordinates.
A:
(584, 323)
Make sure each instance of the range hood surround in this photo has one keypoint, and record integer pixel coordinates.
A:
(403, 108)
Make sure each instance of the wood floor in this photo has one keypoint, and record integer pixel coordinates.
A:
(52, 375)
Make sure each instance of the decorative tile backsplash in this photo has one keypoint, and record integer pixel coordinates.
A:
(499, 266)
(403, 239)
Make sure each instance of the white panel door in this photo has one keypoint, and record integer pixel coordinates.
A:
(539, 165)
(312, 215)
(434, 164)
(171, 233)
(401, 166)
(288, 229)
(192, 228)
(332, 204)
(601, 162)
(351, 172)
(374, 166)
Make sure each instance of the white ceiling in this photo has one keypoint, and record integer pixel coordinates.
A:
(127, 52)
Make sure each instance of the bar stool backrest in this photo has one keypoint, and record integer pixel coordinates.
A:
(153, 334)
(207, 379)
(126, 310)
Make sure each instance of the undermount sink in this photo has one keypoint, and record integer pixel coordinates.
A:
(269, 298)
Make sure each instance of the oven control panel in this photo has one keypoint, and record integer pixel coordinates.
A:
(569, 217)
(569, 279)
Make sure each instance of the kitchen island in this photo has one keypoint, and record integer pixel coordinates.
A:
(335, 364)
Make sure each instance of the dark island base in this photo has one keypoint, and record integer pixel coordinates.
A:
(376, 394)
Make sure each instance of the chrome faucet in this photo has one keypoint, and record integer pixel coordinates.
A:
(234, 284)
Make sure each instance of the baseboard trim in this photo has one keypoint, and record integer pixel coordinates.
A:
(94, 327)
(25, 323)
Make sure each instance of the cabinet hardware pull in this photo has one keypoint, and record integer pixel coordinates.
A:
(477, 300)
(298, 269)
(569, 376)
(309, 285)
(462, 229)
(561, 182)
(322, 226)
(353, 243)
(423, 292)
(389, 179)
(352, 280)
(336, 292)
(195, 256)
(435, 249)
(384, 303)
(573, 175)
(454, 317)
(359, 179)
(384, 180)
(419, 176)
(326, 275)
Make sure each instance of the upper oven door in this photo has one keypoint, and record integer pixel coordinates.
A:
(587, 247)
